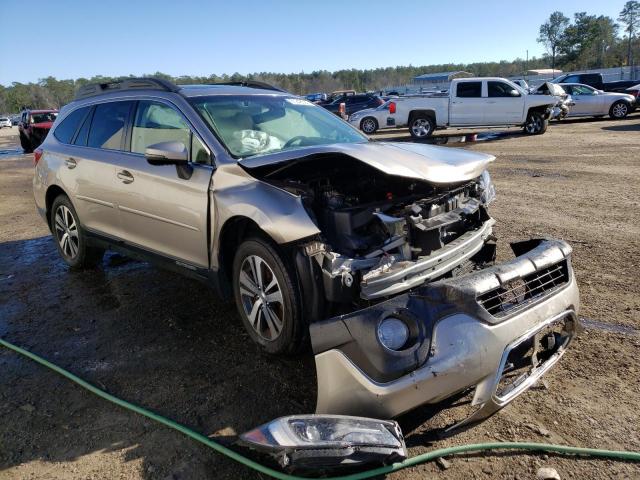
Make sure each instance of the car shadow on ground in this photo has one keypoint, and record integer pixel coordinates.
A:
(454, 139)
(145, 335)
(626, 127)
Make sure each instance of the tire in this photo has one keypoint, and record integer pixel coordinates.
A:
(536, 123)
(369, 125)
(26, 144)
(619, 110)
(421, 126)
(271, 313)
(70, 238)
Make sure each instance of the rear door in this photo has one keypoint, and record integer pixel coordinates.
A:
(467, 105)
(90, 160)
(164, 209)
(504, 104)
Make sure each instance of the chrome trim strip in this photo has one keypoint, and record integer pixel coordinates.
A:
(442, 261)
(156, 217)
(96, 201)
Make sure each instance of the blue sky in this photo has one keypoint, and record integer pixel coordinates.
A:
(70, 39)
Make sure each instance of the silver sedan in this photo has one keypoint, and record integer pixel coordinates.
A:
(589, 102)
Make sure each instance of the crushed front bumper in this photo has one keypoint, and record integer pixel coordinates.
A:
(466, 333)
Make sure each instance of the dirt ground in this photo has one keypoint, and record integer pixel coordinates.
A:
(164, 342)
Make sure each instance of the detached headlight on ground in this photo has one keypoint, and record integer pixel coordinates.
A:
(327, 442)
(393, 333)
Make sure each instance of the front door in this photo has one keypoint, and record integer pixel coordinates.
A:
(164, 209)
(504, 104)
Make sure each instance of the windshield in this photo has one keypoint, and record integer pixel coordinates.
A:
(44, 117)
(259, 124)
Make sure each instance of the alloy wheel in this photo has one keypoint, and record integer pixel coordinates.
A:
(368, 125)
(534, 124)
(261, 297)
(66, 229)
(620, 110)
(421, 127)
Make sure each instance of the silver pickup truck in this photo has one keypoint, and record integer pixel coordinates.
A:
(470, 102)
(381, 254)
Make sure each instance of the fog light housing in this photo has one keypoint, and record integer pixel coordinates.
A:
(327, 442)
(393, 333)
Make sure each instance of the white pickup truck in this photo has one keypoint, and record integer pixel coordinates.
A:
(471, 102)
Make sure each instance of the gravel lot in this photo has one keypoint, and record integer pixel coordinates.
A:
(164, 342)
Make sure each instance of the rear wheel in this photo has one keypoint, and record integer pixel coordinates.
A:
(369, 125)
(267, 298)
(536, 124)
(421, 126)
(619, 110)
(71, 240)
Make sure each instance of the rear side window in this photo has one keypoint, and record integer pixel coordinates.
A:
(108, 125)
(83, 133)
(469, 89)
(156, 122)
(68, 127)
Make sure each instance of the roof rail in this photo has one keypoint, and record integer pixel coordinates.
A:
(252, 84)
(146, 83)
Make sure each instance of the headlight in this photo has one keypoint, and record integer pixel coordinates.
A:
(324, 442)
(487, 188)
(393, 333)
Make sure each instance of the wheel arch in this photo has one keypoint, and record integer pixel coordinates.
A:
(52, 193)
(427, 112)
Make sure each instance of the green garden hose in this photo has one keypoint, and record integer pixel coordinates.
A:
(417, 460)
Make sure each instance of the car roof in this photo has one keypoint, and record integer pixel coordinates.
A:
(205, 90)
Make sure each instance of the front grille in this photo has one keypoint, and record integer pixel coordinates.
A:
(517, 294)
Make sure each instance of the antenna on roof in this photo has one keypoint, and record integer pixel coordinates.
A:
(94, 89)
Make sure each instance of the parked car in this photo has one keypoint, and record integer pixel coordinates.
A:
(316, 97)
(589, 102)
(635, 92)
(471, 102)
(5, 122)
(280, 205)
(596, 81)
(15, 120)
(34, 126)
(354, 103)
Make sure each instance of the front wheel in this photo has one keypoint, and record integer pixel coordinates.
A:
(267, 298)
(422, 126)
(536, 124)
(369, 125)
(619, 110)
(70, 238)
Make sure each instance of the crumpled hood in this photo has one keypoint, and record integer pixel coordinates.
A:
(434, 164)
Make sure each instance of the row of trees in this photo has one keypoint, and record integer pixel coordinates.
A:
(52, 93)
(586, 41)
(591, 41)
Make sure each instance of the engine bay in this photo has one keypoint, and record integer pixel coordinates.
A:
(373, 223)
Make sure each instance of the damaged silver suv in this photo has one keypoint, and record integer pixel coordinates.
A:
(382, 253)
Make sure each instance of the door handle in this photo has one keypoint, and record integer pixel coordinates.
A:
(71, 163)
(125, 176)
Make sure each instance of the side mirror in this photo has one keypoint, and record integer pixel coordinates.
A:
(167, 153)
(514, 93)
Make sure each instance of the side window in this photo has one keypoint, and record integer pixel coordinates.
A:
(500, 89)
(65, 131)
(469, 89)
(83, 133)
(108, 125)
(572, 79)
(156, 122)
(199, 153)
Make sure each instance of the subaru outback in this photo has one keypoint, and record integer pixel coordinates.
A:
(381, 255)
